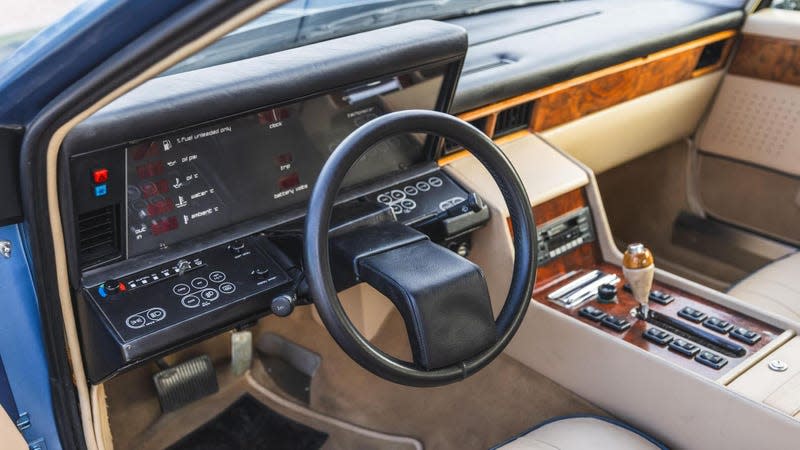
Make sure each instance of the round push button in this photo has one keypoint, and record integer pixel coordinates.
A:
(190, 301)
(209, 294)
(199, 283)
(156, 314)
(227, 288)
(181, 289)
(216, 276)
(135, 321)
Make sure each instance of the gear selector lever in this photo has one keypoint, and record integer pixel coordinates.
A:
(638, 269)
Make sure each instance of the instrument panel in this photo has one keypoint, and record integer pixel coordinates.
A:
(182, 194)
(183, 184)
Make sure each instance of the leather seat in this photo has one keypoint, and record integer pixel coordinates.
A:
(584, 433)
(774, 288)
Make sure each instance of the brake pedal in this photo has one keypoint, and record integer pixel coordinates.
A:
(183, 383)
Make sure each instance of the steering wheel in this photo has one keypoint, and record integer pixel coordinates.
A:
(316, 246)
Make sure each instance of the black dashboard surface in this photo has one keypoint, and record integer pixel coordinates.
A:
(540, 45)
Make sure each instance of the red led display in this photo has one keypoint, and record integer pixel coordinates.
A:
(283, 159)
(150, 188)
(160, 207)
(144, 150)
(272, 116)
(164, 225)
(100, 176)
(149, 170)
(289, 181)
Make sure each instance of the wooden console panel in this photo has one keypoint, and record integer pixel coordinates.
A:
(587, 257)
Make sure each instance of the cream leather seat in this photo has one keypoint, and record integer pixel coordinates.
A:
(584, 433)
(775, 287)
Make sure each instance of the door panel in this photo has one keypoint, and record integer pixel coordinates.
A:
(749, 147)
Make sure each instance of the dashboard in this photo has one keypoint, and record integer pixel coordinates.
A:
(186, 205)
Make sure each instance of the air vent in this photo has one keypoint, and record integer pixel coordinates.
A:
(712, 54)
(513, 119)
(98, 236)
(452, 147)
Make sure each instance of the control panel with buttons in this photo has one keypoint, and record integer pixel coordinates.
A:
(172, 303)
(422, 197)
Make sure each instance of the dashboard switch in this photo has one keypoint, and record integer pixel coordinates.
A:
(711, 360)
(260, 273)
(684, 347)
(745, 335)
(100, 176)
(101, 190)
(615, 323)
(236, 247)
(282, 305)
(606, 293)
(592, 313)
(111, 287)
(692, 314)
(718, 325)
(658, 336)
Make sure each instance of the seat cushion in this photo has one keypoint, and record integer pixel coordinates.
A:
(584, 433)
(774, 288)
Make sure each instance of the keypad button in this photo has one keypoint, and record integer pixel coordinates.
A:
(199, 283)
(745, 335)
(692, 314)
(136, 321)
(718, 325)
(190, 301)
(684, 347)
(657, 336)
(181, 289)
(227, 288)
(216, 276)
(592, 313)
(156, 314)
(711, 360)
(209, 294)
(615, 323)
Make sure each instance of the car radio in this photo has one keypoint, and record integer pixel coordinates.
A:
(137, 316)
(564, 234)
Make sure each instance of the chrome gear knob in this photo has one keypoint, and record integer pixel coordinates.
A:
(638, 270)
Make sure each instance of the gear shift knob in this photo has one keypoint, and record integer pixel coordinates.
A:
(638, 269)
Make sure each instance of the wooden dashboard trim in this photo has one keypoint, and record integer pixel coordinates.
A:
(767, 58)
(577, 97)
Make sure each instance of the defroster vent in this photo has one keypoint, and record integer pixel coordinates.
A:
(98, 236)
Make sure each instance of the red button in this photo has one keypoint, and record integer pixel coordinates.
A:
(100, 176)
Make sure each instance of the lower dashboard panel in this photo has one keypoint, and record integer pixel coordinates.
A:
(139, 316)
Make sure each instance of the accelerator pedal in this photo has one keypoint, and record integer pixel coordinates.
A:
(183, 383)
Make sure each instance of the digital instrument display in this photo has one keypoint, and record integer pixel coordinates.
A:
(204, 178)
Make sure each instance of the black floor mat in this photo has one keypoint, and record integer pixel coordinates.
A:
(248, 424)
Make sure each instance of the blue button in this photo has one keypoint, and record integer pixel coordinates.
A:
(102, 291)
(100, 190)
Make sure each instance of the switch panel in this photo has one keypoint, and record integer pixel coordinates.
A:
(174, 302)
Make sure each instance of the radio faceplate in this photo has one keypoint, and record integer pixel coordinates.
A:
(564, 234)
(170, 304)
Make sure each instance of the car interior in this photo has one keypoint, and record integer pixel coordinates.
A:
(552, 225)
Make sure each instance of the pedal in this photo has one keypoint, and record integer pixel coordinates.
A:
(181, 384)
(241, 352)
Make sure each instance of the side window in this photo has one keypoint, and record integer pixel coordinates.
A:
(793, 5)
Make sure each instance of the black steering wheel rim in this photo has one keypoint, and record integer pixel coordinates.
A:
(316, 251)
